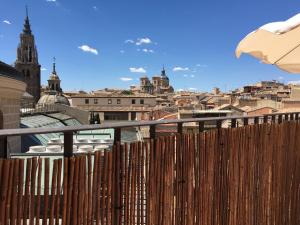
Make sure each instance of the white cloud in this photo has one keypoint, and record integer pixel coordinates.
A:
(178, 68)
(7, 22)
(126, 79)
(137, 70)
(148, 50)
(87, 48)
(280, 78)
(50, 0)
(202, 65)
(180, 89)
(122, 51)
(141, 41)
(192, 89)
(185, 75)
(294, 82)
(43, 69)
(192, 76)
(129, 41)
(95, 8)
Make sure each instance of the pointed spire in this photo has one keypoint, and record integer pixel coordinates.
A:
(54, 71)
(163, 72)
(26, 29)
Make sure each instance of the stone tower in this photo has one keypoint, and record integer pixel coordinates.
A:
(27, 61)
(164, 78)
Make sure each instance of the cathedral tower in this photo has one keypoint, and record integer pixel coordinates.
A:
(27, 61)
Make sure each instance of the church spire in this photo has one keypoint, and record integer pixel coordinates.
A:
(163, 72)
(27, 29)
(54, 70)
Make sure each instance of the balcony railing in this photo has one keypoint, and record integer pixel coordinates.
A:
(70, 130)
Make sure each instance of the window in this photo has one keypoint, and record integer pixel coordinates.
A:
(95, 101)
(133, 116)
(30, 55)
(118, 101)
(28, 74)
(142, 101)
(87, 101)
(109, 101)
(133, 101)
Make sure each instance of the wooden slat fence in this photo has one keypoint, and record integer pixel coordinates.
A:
(248, 175)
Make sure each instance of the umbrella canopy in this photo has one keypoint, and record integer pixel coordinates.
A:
(275, 43)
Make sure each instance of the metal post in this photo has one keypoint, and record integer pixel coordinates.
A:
(280, 119)
(246, 121)
(3, 148)
(201, 126)
(152, 132)
(179, 128)
(233, 123)
(256, 120)
(266, 119)
(219, 124)
(286, 117)
(117, 135)
(273, 119)
(297, 116)
(68, 144)
(117, 184)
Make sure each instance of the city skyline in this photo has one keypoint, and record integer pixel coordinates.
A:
(109, 44)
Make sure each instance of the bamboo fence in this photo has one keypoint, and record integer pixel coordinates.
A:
(248, 175)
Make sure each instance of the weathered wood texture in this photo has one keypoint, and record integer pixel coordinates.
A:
(247, 175)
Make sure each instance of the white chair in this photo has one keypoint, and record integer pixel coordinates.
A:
(55, 141)
(75, 148)
(85, 148)
(81, 141)
(53, 148)
(37, 149)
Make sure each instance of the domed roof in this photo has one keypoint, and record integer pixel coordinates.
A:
(53, 76)
(51, 99)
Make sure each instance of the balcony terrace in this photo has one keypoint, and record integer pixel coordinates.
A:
(245, 174)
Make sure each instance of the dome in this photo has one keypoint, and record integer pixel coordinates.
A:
(51, 99)
(53, 76)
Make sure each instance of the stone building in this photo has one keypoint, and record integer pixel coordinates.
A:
(112, 105)
(158, 84)
(53, 93)
(27, 61)
(12, 89)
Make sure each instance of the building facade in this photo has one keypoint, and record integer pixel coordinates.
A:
(12, 89)
(27, 61)
(116, 106)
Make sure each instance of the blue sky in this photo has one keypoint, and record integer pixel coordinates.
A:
(194, 39)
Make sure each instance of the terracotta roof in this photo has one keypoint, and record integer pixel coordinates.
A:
(286, 110)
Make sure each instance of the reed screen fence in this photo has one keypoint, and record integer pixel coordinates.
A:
(247, 175)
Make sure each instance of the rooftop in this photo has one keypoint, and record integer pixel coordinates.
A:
(9, 71)
(113, 95)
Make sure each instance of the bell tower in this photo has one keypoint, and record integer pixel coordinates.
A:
(54, 81)
(27, 61)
